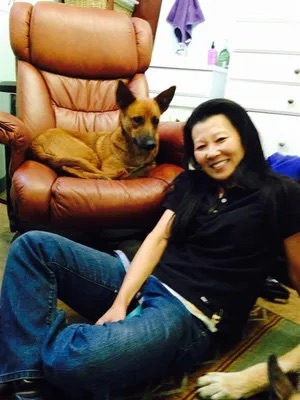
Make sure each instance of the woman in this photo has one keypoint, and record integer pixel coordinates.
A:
(197, 274)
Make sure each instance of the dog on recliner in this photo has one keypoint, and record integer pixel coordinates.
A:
(128, 152)
(250, 381)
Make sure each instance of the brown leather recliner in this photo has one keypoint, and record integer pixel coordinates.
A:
(69, 60)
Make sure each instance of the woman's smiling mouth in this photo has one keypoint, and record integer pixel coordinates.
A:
(218, 164)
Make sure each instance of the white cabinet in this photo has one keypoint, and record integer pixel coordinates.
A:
(193, 86)
(278, 132)
(264, 71)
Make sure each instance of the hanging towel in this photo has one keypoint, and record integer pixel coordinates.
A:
(183, 16)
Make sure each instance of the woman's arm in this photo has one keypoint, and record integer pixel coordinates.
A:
(140, 268)
(292, 251)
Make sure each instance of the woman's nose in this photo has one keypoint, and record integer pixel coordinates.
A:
(212, 151)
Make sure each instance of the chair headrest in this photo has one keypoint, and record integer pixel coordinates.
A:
(80, 41)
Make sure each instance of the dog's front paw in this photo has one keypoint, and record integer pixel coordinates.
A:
(220, 386)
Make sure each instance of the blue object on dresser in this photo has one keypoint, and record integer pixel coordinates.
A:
(285, 164)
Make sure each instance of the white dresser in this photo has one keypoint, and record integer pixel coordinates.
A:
(264, 71)
(194, 85)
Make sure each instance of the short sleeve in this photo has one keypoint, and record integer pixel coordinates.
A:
(289, 210)
(179, 186)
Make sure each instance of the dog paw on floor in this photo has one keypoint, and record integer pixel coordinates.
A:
(253, 380)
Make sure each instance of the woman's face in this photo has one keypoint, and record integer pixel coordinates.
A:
(217, 147)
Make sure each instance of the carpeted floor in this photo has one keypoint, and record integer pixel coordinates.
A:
(273, 327)
(265, 334)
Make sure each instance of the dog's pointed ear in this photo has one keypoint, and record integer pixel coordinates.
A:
(164, 98)
(124, 96)
(280, 385)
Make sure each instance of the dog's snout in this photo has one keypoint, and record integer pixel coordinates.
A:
(150, 145)
(146, 143)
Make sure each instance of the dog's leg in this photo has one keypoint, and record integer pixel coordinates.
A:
(83, 174)
(81, 168)
(280, 384)
(245, 383)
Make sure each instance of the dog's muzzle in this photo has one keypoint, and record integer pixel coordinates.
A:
(146, 143)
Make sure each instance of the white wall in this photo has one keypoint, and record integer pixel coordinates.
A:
(7, 59)
(219, 16)
(7, 70)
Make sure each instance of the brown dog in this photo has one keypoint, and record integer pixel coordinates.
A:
(127, 152)
(249, 381)
(280, 385)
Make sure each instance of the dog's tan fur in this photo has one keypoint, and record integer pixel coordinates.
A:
(281, 387)
(127, 152)
(245, 383)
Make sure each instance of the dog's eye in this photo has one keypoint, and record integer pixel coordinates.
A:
(154, 121)
(138, 120)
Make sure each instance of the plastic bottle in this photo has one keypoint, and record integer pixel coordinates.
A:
(224, 57)
(212, 55)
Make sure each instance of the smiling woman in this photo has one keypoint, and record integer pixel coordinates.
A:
(217, 147)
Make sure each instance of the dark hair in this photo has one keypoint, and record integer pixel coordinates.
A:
(253, 171)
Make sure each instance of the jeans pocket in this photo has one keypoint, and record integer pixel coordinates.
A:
(198, 346)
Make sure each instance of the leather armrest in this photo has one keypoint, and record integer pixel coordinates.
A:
(31, 191)
(14, 133)
(171, 143)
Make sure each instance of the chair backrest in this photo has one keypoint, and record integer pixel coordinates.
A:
(69, 60)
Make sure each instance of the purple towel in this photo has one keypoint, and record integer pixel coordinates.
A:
(183, 16)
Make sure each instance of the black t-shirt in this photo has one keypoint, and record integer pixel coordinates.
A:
(229, 251)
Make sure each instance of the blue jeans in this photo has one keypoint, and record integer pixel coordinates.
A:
(86, 359)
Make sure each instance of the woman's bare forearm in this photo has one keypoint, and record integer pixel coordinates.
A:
(145, 260)
(140, 268)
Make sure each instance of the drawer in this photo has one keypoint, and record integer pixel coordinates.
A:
(267, 36)
(265, 67)
(278, 133)
(268, 9)
(265, 96)
(188, 82)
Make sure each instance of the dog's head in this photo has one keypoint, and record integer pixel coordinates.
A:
(140, 116)
(281, 387)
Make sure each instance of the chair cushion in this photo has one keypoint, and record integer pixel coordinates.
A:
(87, 204)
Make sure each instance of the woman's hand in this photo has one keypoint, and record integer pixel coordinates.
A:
(114, 314)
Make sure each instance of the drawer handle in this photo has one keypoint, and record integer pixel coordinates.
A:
(281, 144)
(290, 101)
(297, 71)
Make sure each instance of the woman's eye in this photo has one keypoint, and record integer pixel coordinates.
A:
(201, 147)
(221, 139)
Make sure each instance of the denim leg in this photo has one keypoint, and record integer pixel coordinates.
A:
(98, 360)
(36, 342)
(40, 268)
